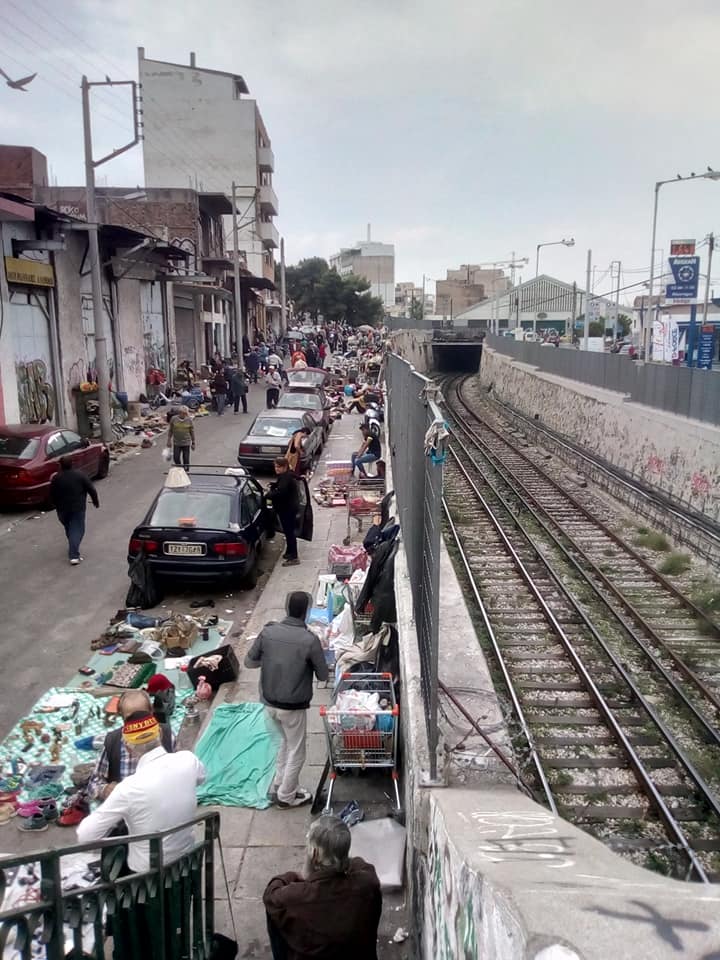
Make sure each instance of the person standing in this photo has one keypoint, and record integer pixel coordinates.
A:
(273, 382)
(219, 387)
(239, 388)
(253, 364)
(285, 499)
(287, 655)
(181, 437)
(69, 490)
(332, 908)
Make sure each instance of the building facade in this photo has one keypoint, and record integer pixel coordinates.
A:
(465, 287)
(373, 261)
(202, 130)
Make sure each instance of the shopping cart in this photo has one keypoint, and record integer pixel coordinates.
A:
(362, 738)
(364, 496)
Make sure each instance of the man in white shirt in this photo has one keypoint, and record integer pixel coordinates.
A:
(160, 795)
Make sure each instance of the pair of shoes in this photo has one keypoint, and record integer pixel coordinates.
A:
(9, 810)
(76, 810)
(301, 797)
(291, 562)
(33, 824)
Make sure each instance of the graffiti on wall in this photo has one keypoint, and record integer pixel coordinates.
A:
(36, 397)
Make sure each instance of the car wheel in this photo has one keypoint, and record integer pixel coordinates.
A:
(103, 467)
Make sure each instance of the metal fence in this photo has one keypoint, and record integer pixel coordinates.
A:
(418, 483)
(166, 912)
(686, 391)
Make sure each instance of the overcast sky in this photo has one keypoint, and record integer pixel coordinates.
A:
(463, 130)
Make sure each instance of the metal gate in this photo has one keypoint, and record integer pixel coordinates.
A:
(418, 481)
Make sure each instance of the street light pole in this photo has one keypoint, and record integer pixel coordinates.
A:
(617, 298)
(586, 319)
(236, 278)
(710, 174)
(711, 247)
(99, 314)
(553, 243)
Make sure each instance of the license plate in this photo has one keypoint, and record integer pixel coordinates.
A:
(185, 549)
(275, 450)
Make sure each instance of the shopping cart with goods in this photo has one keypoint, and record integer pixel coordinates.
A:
(361, 727)
(364, 496)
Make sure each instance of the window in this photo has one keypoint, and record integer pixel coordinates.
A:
(19, 448)
(276, 426)
(251, 504)
(73, 440)
(56, 445)
(300, 401)
(211, 511)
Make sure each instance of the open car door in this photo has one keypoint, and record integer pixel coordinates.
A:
(304, 519)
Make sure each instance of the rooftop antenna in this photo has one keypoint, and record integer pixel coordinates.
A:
(368, 233)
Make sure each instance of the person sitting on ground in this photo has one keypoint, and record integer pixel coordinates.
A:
(288, 654)
(332, 909)
(359, 400)
(159, 795)
(369, 452)
(181, 437)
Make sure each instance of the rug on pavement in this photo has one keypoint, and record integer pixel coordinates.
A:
(239, 749)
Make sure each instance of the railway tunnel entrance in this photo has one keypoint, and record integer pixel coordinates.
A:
(456, 351)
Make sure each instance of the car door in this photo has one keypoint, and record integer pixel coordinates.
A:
(82, 454)
(252, 511)
(315, 436)
(55, 447)
(304, 519)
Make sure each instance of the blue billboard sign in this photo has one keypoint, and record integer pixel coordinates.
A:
(686, 274)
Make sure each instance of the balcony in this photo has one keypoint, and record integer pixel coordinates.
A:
(268, 200)
(266, 159)
(268, 234)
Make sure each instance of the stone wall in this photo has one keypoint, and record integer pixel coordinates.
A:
(675, 455)
(415, 346)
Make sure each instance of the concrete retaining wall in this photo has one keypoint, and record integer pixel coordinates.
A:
(675, 455)
(415, 346)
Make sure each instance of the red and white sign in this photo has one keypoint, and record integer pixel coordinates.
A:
(682, 248)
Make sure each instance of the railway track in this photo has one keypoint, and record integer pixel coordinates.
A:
(600, 656)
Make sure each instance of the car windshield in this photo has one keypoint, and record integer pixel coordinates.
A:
(306, 376)
(300, 401)
(192, 508)
(276, 426)
(19, 448)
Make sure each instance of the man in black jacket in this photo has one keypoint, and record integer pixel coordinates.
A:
(286, 501)
(288, 654)
(69, 490)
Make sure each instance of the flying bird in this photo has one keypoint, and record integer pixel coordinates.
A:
(17, 84)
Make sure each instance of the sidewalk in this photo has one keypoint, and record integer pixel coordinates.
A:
(261, 843)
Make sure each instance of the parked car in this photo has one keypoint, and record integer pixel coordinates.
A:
(30, 457)
(309, 377)
(270, 434)
(312, 401)
(212, 530)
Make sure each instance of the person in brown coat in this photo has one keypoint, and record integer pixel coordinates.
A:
(333, 909)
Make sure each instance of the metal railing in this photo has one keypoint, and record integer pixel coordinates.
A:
(418, 483)
(684, 391)
(166, 912)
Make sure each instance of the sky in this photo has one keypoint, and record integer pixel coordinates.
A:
(463, 131)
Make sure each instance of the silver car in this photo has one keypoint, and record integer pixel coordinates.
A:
(270, 435)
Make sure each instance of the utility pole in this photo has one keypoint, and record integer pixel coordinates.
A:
(422, 313)
(574, 310)
(711, 247)
(236, 278)
(283, 290)
(586, 329)
(99, 320)
(617, 299)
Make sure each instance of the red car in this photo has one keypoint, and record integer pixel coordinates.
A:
(30, 455)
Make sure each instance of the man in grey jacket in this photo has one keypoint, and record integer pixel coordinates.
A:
(288, 654)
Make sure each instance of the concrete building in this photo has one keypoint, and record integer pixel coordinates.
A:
(201, 130)
(541, 303)
(467, 286)
(373, 261)
(405, 295)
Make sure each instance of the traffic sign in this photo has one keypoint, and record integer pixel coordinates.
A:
(686, 273)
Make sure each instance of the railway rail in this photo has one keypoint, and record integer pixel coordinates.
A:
(601, 655)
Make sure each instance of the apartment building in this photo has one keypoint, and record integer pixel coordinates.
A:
(465, 287)
(373, 261)
(203, 130)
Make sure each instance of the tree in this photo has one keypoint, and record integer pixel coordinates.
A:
(317, 291)
(416, 312)
(624, 324)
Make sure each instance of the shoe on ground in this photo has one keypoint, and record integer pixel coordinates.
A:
(75, 561)
(301, 797)
(272, 796)
(33, 824)
(291, 562)
(73, 814)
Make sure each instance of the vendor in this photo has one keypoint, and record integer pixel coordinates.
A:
(369, 452)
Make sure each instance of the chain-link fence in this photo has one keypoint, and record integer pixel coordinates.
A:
(418, 481)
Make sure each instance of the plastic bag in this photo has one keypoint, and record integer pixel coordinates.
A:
(342, 632)
(167, 454)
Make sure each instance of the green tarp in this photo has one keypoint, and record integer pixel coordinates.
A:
(239, 749)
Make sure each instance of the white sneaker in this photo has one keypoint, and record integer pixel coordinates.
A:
(76, 561)
(301, 797)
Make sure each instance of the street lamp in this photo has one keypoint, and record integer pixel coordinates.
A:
(553, 243)
(710, 174)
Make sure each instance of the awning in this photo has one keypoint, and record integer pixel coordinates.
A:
(258, 283)
(214, 204)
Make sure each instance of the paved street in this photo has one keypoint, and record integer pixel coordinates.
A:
(51, 611)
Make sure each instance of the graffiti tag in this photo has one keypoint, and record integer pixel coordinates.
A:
(700, 485)
(655, 464)
(35, 394)
(521, 837)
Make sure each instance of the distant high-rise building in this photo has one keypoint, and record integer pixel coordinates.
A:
(373, 261)
(201, 130)
(467, 286)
